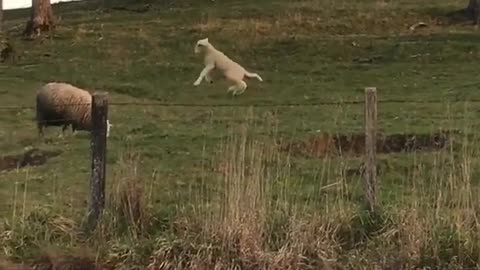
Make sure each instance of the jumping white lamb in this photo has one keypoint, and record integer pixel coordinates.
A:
(215, 59)
(62, 104)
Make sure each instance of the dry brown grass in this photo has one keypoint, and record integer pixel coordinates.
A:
(245, 224)
(236, 230)
(332, 22)
(81, 33)
(128, 198)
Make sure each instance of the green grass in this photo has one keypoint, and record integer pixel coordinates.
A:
(306, 52)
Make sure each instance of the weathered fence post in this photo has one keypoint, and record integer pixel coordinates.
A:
(371, 147)
(99, 150)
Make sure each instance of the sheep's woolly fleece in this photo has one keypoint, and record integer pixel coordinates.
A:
(62, 104)
(215, 59)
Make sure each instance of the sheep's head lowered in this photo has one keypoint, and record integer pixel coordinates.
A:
(62, 104)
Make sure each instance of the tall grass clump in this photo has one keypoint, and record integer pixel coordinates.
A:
(126, 214)
(128, 196)
(249, 220)
(122, 235)
(257, 217)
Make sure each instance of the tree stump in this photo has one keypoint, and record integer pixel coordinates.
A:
(41, 18)
(1, 15)
(7, 51)
(473, 10)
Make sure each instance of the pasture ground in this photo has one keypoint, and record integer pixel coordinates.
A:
(201, 187)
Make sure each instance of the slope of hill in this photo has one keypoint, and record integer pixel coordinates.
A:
(193, 176)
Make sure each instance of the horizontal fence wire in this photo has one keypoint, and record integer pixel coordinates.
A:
(166, 120)
(213, 105)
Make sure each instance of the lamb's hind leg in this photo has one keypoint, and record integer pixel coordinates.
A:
(237, 78)
(40, 130)
(238, 88)
(64, 128)
(231, 88)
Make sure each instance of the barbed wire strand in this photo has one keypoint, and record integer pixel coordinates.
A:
(213, 105)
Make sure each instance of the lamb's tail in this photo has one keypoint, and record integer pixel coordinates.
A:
(253, 75)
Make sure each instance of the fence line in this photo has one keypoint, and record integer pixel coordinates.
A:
(214, 105)
(99, 113)
(293, 104)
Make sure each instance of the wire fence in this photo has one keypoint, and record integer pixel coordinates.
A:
(292, 104)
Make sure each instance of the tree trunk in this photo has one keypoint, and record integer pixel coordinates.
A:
(1, 15)
(473, 10)
(41, 18)
(6, 48)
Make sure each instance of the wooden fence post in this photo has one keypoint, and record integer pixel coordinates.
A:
(99, 150)
(371, 147)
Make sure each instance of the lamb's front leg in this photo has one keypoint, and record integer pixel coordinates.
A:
(202, 75)
(208, 77)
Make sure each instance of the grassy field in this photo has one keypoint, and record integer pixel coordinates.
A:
(213, 187)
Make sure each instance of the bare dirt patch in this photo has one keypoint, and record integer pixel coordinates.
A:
(354, 144)
(52, 261)
(33, 157)
(80, 262)
(4, 265)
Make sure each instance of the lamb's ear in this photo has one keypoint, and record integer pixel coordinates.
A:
(206, 39)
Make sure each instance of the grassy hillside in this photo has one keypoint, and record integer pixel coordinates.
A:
(216, 185)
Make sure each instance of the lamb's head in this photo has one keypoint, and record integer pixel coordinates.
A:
(201, 45)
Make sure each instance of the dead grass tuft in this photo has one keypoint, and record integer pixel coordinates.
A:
(128, 199)
(238, 229)
(63, 226)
